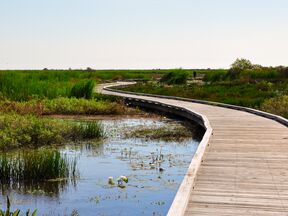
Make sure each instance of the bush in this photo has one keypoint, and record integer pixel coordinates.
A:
(278, 106)
(264, 86)
(18, 131)
(174, 77)
(83, 89)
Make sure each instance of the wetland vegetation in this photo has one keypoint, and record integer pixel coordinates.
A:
(47, 163)
(155, 169)
(244, 84)
(170, 133)
(69, 160)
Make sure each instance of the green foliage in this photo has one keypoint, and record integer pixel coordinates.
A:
(264, 86)
(230, 92)
(278, 106)
(83, 89)
(19, 86)
(215, 76)
(238, 66)
(89, 130)
(246, 74)
(28, 130)
(35, 166)
(241, 64)
(174, 77)
(65, 106)
(26, 84)
(7, 212)
(17, 131)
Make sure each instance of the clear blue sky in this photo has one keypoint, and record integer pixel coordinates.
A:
(141, 33)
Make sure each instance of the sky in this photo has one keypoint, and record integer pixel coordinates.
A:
(141, 34)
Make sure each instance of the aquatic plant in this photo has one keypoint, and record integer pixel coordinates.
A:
(7, 212)
(166, 133)
(35, 166)
(89, 130)
(121, 180)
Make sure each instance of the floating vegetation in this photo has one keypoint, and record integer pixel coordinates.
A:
(36, 166)
(165, 133)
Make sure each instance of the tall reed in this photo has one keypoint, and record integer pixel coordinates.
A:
(36, 166)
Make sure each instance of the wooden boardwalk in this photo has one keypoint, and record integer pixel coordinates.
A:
(245, 167)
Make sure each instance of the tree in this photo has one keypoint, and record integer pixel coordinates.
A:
(238, 66)
(242, 64)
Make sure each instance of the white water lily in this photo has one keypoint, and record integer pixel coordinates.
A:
(121, 181)
(124, 178)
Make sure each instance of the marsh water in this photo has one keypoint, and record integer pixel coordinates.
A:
(151, 187)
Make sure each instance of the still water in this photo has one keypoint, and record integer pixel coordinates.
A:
(151, 187)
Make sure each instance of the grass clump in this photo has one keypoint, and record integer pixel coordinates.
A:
(89, 130)
(83, 89)
(35, 166)
(18, 131)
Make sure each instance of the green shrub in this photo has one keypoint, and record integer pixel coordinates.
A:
(278, 106)
(237, 67)
(28, 130)
(83, 89)
(174, 77)
(264, 86)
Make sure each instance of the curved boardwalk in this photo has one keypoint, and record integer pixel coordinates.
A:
(245, 167)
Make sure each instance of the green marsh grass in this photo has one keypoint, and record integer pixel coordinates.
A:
(36, 166)
(83, 89)
(265, 90)
(18, 131)
(66, 106)
(89, 130)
